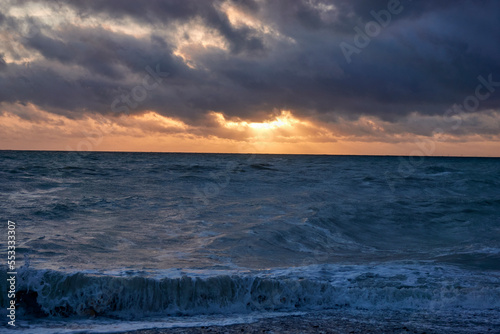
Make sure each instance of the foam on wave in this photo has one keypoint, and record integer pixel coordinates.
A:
(44, 293)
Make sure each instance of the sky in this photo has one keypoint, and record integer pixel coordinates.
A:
(391, 77)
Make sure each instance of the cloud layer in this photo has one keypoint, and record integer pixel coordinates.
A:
(249, 60)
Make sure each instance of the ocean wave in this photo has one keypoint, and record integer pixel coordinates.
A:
(263, 166)
(43, 293)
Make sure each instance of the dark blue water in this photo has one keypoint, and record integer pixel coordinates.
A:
(124, 237)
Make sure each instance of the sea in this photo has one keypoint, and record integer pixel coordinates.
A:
(108, 242)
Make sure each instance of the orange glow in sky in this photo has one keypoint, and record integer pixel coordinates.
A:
(150, 131)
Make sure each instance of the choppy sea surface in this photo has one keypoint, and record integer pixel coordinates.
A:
(120, 241)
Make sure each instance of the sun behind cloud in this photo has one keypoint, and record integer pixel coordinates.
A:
(284, 120)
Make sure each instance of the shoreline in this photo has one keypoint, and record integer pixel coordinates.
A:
(334, 322)
(288, 324)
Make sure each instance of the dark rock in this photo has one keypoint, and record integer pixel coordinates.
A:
(27, 300)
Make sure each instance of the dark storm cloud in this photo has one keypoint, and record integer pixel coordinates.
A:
(160, 12)
(428, 58)
(3, 64)
(103, 52)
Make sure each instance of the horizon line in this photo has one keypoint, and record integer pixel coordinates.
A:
(255, 153)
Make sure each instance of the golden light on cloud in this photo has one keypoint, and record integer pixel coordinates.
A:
(238, 18)
(192, 38)
(284, 120)
(159, 120)
(29, 127)
(128, 27)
